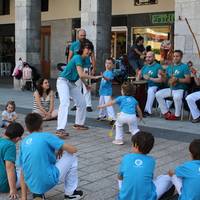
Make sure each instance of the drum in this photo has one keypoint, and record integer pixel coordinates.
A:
(140, 92)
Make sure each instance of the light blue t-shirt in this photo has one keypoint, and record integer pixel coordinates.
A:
(179, 71)
(152, 72)
(7, 153)
(106, 86)
(75, 46)
(189, 172)
(37, 159)
(70, 71)
(127, 104)
(137, 172)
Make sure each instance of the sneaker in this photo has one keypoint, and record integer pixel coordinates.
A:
(118, 142)
(101, 118)
(167, 115)
(80, 127)
(112, 122)
(196, 120)
(146, 114)
(38, 197)
(78, 194)
(172, 117)
(89, 109)
(73, 108)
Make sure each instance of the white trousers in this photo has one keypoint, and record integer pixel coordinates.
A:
(177, 182)
(65, 90)
(67, 167)
(191, 101)
(162, 183)
(150, 98)
(108, 111)
(129, 119)
(86, 93)
(177, 97)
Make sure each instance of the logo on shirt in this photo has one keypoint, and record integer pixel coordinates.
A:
(150, 73)
(29, 141)
(138, 162)
(176, 72)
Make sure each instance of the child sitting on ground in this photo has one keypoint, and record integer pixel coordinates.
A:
(128, 106)
(187, 176)
(136, 172)
(8, 115)
(38, 149)
(105, 93)
(9, 179)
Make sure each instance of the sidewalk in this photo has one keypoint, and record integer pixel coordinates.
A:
(25, 100)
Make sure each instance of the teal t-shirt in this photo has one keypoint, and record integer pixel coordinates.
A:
(7, 153)
(37, 159)
(70, 71)
(75, 46)
(189, 172)
(137, 172)
(152, 71)
(179, 71)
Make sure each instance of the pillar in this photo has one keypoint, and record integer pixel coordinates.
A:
(27, 32)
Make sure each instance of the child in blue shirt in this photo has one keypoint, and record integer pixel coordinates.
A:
(43, 168)
(186, 177)
(128, 106)
(9, 178)
(105, 93)
(136, 172)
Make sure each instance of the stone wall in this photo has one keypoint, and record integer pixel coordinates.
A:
(61, 32)
(189, 9)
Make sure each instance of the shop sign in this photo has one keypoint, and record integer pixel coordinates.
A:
(166, 18)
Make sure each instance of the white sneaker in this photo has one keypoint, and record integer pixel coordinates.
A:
(118, 142)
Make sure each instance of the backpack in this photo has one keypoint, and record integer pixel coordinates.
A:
(18, 74)
(27, 73)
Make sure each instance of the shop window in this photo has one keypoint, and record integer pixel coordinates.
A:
(4, 7)
(44, 5)
(145, 2)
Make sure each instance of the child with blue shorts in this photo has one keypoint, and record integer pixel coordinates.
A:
(105, 93)
(128, 106)
(186, 177)
(136, 172)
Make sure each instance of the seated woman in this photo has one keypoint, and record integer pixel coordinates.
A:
(44, 100)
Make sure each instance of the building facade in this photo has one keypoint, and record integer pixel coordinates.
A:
(60, 20)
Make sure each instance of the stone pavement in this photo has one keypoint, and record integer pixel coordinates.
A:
(99, 159)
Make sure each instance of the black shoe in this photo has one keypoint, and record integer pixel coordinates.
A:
(73, 108)
(38, 196)
(101, 118)
(78, 194)
(146, 114)
(89, 109)
(112, 122)
(196, 120)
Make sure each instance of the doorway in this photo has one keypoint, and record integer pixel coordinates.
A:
(45, 50)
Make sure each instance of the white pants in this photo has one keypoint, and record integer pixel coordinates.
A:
(108, 111)
(177, 97)
(177, 182)
(65, 90)
(129, 119)
(150, 98)
(67, 167)
(86, 93)
(191, 101)
(162, 183)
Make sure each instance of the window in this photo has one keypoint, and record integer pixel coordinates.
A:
(145, 2)
(4, 7)
(79, 5)
(44, 5)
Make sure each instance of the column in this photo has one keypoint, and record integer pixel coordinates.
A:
(27, 32)
(183, 37)
(96, 20)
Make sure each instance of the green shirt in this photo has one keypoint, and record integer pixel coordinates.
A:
(70, 71)
(152, 72)
(7, 153)
(178, 71)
